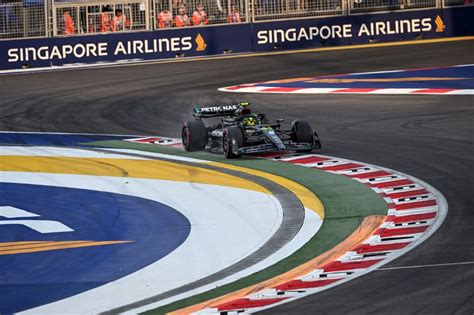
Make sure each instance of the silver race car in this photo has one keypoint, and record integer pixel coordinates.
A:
(238, 132)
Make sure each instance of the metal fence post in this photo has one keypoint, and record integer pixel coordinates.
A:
(55, 23)
(247, 13)
(46, 28)
(147, 15)
(346, 7)
(251, 8)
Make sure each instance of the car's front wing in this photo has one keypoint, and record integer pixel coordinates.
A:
(270, 147)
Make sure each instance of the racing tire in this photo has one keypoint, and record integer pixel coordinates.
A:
(302, 133)
(232, 133)
(194, 135)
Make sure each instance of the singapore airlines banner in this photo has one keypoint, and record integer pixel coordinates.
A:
(132, 46)
(360, 29)
(240, 38)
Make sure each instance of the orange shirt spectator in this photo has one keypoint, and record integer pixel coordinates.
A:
(199, 16)
(234, 16)
(120, 21)
(107, 22)
(165, 19)
(69, 28)
(182, 19)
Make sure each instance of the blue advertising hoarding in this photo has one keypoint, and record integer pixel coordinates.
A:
(362, 29)
(189, 42)
(237, 38)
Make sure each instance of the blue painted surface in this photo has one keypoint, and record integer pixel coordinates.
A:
(464, 79)
(53, 139)
(32, 279)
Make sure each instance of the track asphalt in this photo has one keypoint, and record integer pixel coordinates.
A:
(427, 136)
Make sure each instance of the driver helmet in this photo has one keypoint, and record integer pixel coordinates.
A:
(249, 121)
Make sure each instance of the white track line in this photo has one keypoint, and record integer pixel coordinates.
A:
(429, 265)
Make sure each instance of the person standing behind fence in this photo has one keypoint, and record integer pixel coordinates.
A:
(182, 19)
(69, 28)
(199, 16)
(106, 21)
(234, 16)
(120, 21)
(176, 5)
(165, 19)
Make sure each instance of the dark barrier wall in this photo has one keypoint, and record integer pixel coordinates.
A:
(171, 43)
(360, 29)
(237, 38)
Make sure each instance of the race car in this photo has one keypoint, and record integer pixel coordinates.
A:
(239, 131)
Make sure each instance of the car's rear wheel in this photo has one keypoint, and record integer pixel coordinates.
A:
(233, 137)
(302, 133)
(194, 135)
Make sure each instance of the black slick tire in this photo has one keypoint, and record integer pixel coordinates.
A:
(232, 133)
(302, 133)
(194, 135)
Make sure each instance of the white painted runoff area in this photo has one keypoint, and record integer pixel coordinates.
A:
(224, 229)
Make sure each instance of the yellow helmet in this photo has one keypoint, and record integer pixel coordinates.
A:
(249, 121)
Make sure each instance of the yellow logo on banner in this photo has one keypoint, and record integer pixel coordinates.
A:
(201, 44)
(439, 24)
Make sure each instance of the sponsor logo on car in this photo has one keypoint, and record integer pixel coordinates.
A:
(215, 109)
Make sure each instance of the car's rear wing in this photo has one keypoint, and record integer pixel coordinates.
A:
(222, 110)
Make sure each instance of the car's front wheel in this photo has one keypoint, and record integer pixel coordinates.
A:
(194, 135)
(233, 138)
(302, 133)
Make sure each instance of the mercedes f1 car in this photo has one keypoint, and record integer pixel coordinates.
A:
(238, 132)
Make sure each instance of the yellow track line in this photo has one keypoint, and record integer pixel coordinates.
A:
(8, 244)
(40, 244)
(59, 245)
(155, 169)
(306, 196)
(148, 169)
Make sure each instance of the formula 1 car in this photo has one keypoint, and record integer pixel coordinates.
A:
(238, 132)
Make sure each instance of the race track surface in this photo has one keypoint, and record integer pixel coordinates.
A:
(427, 136)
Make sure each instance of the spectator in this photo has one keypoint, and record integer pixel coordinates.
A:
(69, 28)
(165, 19)
(120, 21)
(93, 22)
(199, 16)
(182, 19)
(176, 5)
(234, 16)
(106, 20)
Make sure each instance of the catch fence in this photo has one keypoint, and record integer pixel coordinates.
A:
(47, 18)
